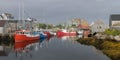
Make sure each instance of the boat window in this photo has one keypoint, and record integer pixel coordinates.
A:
(19, 32)
(26, 32)
(100, 27)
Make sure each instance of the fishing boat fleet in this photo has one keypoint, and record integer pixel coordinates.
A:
(27, 35)
(24, 29)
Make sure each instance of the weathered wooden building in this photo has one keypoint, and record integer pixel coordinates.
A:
(83, 28)
(98, 26)
(10, 26)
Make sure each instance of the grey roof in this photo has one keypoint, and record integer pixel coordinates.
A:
(99, 22)
(115, 17)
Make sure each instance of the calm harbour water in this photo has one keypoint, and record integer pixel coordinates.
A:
(55, 49)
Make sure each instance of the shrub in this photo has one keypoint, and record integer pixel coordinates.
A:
(112, 32)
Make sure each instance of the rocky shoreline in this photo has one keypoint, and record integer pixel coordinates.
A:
(109, 47)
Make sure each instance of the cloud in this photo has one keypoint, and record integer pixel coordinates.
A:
(56, 11)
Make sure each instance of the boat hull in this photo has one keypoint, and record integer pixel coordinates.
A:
(42, 35)
(60, 33)
(23, 38)
(47, 33)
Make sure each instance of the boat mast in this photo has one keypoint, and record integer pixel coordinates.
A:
(23, 20)
(19, 17)
(22, 10)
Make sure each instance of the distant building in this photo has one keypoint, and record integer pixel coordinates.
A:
(3, 24)
(76, 21)
(6, 16)
(83, 28)
(1, 17)
(98, 26)
(114, 21)
(10, 26)
(83, 24)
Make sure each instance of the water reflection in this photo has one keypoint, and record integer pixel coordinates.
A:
(39, 44)
(67, 37)
(22, 49)
(53, 48)
(4, 50)
(25, 48)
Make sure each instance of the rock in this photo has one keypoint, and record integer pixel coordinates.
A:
(117, 38)
(111, 36)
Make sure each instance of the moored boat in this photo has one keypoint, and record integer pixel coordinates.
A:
(47, 33)
(42, 35)
(66, 33)
(25, 35)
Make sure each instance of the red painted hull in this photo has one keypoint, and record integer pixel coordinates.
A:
(23, 38)
(60, 33)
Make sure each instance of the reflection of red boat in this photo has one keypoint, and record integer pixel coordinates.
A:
(67, 37)
(48, 38)
(24, 35)
(19, 46)
(63, 37)
(66, 33)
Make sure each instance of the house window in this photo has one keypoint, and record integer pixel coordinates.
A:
(100, 27)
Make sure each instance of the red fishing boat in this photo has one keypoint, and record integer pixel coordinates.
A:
(66, 33)
(25, 35)
(47, 33)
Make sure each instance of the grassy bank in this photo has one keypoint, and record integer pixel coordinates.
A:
(108, 47)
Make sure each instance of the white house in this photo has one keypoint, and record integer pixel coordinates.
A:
(98, 26)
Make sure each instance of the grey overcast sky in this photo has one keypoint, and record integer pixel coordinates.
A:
(59, 11)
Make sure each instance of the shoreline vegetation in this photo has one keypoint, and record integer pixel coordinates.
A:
(111, 48)
(108, 42)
